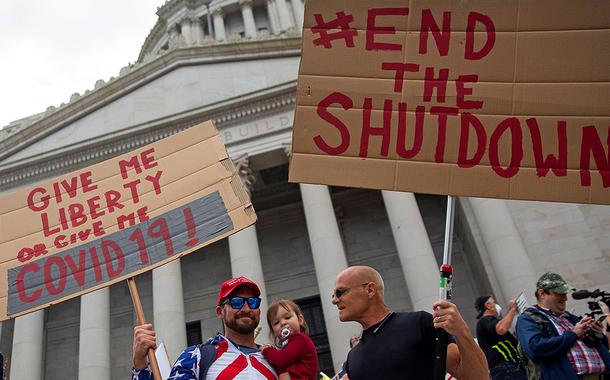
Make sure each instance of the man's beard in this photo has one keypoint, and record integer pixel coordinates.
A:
(243, 324)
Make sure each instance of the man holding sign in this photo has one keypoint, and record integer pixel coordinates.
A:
(233, 354)
(401, 345)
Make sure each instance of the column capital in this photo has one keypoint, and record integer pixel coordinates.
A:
(246, 174)
(217, 12)
(185, 19)
(245, 3)
(173, 29)
(287, 149)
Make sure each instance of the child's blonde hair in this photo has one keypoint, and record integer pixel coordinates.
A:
(287, 305)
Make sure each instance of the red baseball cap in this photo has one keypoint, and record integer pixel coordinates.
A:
(230, 285)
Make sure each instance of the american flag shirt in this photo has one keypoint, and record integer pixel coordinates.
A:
(231, 362)
(585, 360)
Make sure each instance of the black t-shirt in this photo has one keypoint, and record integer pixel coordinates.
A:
(400, 347)
(497, 348)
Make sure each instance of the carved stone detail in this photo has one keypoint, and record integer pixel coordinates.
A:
(287, 149)
(242, 165)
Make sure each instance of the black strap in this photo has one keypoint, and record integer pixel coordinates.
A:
(208, 356)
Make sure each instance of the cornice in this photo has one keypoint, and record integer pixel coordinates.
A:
(136, 76)
(224, 114)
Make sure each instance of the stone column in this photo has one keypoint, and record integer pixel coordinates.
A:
(168, 308)
(507, 253)
(245, 253)
(417, 259)
(197, 25)
(94, 359)
(273, 17)
(175, 38)
(329, 259)
(28, 343)
(248, 17)
(185, 27)
(284, 15)
(298, 11)
(219, 25)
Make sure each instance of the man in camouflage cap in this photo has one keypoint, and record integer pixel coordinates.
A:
(552, 337)
(552, 282)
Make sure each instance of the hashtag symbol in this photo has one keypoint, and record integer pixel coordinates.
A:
(341, 22)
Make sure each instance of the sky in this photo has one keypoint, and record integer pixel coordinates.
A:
(50, 49)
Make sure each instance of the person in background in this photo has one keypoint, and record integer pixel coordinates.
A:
(495, 339)
(553, 337)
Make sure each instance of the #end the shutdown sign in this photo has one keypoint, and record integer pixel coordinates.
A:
(94, 227)
(491, 98)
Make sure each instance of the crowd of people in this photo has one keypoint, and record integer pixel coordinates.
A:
(549, 341)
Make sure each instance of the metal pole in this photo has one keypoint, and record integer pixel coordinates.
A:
(446, 272)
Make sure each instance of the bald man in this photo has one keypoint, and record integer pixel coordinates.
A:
(397, 345)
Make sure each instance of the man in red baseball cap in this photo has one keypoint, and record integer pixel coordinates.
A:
(233, 353)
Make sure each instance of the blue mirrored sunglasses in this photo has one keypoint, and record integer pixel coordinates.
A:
(237, 303)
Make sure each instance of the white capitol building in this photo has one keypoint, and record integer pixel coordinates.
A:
(235, 62)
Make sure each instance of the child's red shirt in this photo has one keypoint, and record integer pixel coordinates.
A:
(299, 357)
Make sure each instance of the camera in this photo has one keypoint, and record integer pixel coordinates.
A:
(591, 339)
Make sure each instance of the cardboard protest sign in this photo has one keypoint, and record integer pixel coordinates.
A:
(94, 227)
(489, 98)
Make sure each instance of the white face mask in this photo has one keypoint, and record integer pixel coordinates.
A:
(498, 309)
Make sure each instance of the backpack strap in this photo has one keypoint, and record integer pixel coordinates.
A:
(208, 356)
(540, 321)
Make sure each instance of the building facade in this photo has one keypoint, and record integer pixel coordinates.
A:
(236, 62)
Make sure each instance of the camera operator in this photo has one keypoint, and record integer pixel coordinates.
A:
(552, 337)
(597, 307)
(605, 308)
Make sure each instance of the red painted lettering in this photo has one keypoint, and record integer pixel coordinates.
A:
(440, 83)
(60, 277)
(94, 205)
(191, 227)
(85, 180)
(112, 200)
(372, 29)
(490, 29)
(469, 120)
(440, 38)
(44, 199)
(512, 124)
(25, 254)
(156, 181)
(133, 187)
(20, 283)
(401, 69)
(462, 91)
(78, 271)
(442, 113)
(77, 214)
(592, 144)
(159, 229)
(148, 160)
(138, 237)
(367, 130)
(133, 162)
(114, 267)
(418, 133)
(322, 110)
(558, 164)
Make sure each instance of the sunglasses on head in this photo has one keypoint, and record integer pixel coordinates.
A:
(237, 303)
